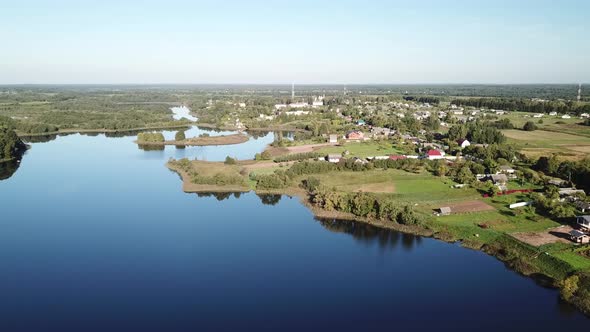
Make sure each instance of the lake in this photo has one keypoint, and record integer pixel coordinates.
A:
(97, 235)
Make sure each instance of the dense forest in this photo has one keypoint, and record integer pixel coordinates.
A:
(11, 146)
(525, 105)
(48, 110)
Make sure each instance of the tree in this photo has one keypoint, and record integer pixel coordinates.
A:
(229, 161)
(464, 175)
(529, 126)
(180, 136)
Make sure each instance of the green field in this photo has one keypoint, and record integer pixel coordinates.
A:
(363, 149)
(542, 143)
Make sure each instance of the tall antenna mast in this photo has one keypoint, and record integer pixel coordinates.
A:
(580, 92)
(292, 91)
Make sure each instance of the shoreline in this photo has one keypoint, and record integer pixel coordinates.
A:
(515, 254)
(202, 141)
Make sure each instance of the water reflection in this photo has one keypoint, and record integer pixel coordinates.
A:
(220, 196)
(151, 147)
(370, 234)
(269, 199)
(8, 168)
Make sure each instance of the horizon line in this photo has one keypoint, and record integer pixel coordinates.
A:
(289, 84)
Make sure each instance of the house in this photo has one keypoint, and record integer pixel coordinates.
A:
(355, 135)
(538, 115)
(359, 160)
(499, 179)
(397, 157)
(584, 115)
(506, 169)
(579, 237)
(565, 116)
(298, 112)
(570, 192)
(265, 117)
(333, 138)
(379, 131)
(463, 143)
(299, 105)
(553, 113)
(583, 222)
(361, 122)
(333, 158)
(557, 182)
(317, 102)
(582, 206)
(434, 154)
(444, 211)
(280, 106)
(242, 105)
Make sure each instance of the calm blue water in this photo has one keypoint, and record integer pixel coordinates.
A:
(96, 235)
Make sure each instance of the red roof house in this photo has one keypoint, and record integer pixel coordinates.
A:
(434, 154)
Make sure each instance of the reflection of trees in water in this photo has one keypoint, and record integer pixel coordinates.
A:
(371, 234)
(269, 199)
(257, 134)
(39, 139)
(149, 147)
(220, 196)
(8, 168)
(207, 129)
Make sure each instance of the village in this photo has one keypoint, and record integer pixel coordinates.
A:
(365, 129)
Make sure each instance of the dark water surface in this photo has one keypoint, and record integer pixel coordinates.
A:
(96, 235)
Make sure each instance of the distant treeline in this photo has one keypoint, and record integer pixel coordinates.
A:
(525, 105)
(430, 100)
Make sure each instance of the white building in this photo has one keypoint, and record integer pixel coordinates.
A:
(463, 143)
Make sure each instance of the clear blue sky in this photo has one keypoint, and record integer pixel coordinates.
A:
(331, 41)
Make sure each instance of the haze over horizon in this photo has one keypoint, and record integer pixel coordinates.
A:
(334, 42)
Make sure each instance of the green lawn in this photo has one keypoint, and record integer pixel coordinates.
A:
(363, 149)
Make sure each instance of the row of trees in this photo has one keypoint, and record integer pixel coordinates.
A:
(477, 132)
(364, 205)
(577, 172)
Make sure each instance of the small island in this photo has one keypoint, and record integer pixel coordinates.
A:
(157, 139)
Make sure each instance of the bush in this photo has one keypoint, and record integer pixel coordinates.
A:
(310, 184)
(229, 161)
(180, 136)
(150, 137)
(529, 126)
(271, 181)
(297, 156)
